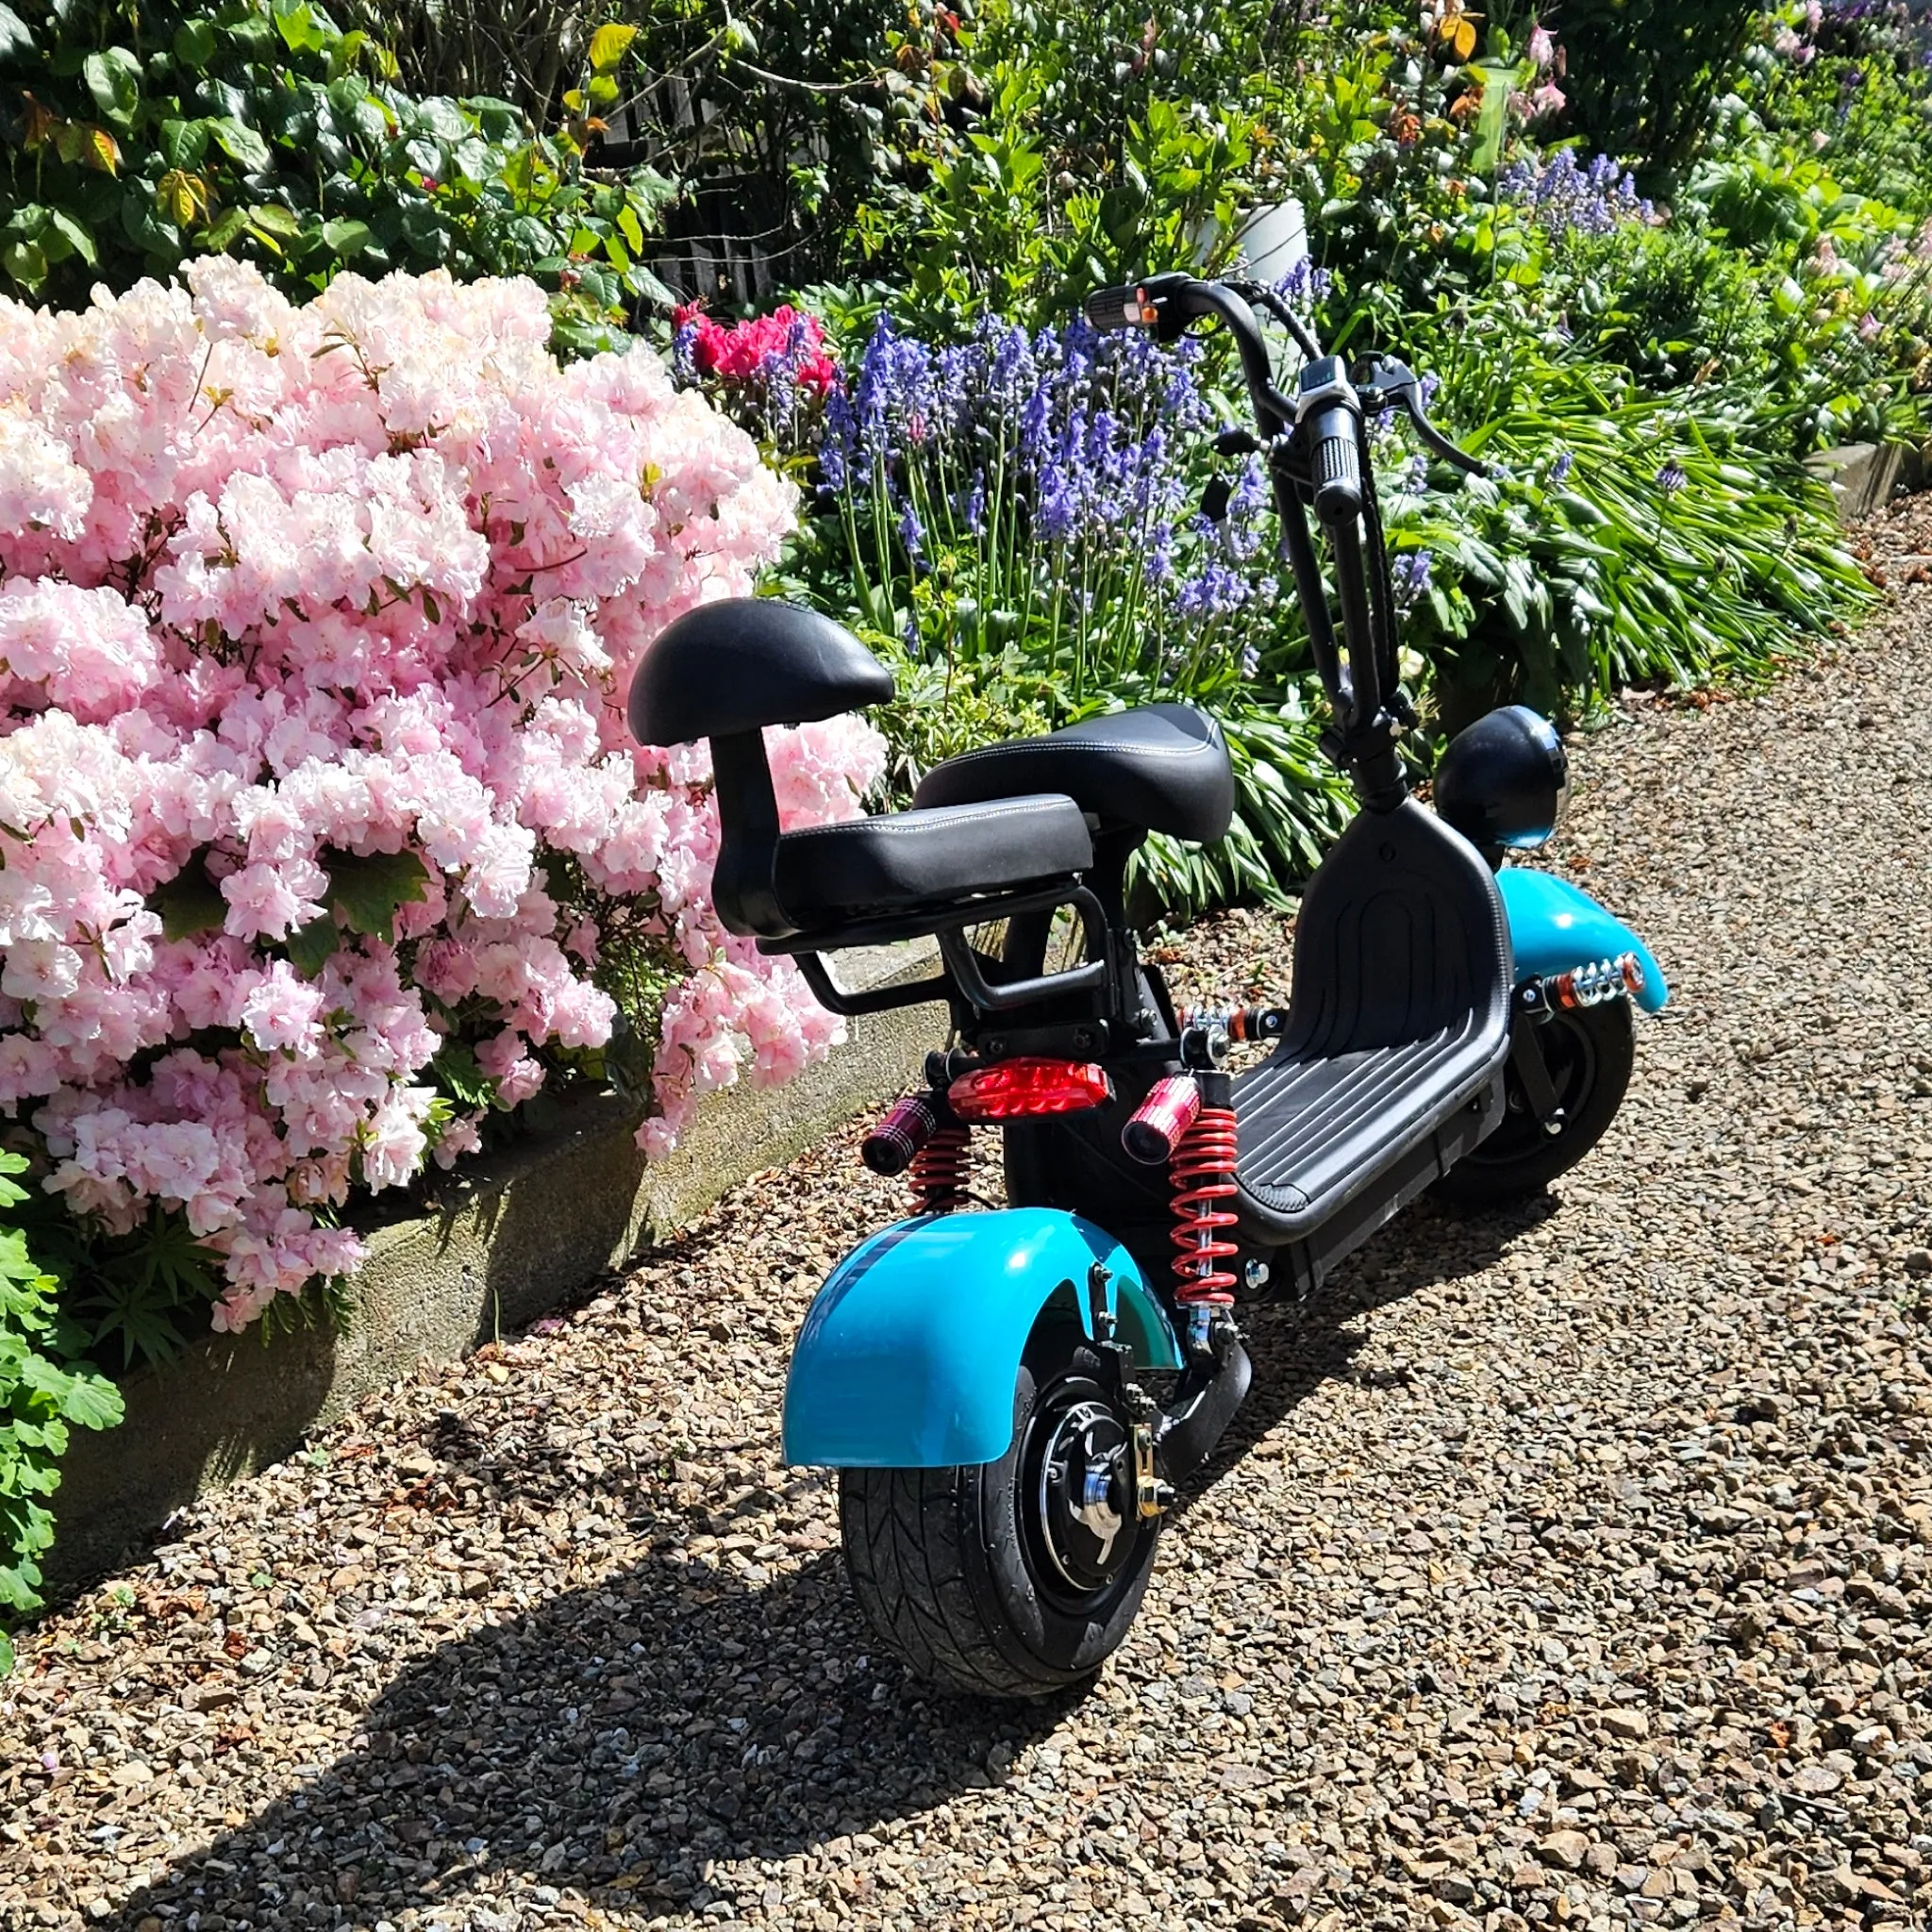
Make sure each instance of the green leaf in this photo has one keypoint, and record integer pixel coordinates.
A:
(346, 238)
(1492, 119)
(299, 30)
(113, 78)
(240, 143)
(6, 1645)
(25, 262)
(217, 236)
(366, 887)
(190, 901)
(311, 947)
(80, 241)
(195, 43)
(182, 142)
(455, 1070)
(608, 45)
(80, 1396)
(272, 218)
(16, 41)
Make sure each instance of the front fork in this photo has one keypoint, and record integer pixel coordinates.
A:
(1536, 1000)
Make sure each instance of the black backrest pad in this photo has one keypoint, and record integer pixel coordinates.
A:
(1402, 933)
(746, 662)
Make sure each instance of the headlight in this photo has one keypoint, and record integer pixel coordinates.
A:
(1503, 782)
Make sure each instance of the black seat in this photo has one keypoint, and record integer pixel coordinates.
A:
(828, 875)
(1163, 768)
(729, 667)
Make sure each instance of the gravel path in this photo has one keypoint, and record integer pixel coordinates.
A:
(1567, 1567)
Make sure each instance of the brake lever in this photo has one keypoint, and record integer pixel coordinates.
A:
(1393, 384)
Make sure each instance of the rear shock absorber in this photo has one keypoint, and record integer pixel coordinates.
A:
(924, 1134)
(940, 1169)
(1202, 1173)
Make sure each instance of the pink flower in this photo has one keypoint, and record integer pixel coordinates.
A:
(284, 1013)
(1543, 49)
(405, 568)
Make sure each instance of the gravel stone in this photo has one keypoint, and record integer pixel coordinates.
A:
(1596, 1532)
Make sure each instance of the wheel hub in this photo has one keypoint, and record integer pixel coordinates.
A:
(1083, 1484)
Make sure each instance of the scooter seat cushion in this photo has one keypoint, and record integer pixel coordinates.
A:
(828, 876)
(1162, 767)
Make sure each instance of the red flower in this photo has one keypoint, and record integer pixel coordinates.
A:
(741, 353)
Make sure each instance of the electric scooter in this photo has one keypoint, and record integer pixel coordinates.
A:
(1012, 1395)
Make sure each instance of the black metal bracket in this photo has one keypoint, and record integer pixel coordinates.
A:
(1526, 1056)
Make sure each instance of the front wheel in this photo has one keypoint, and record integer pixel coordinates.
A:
(1014, 1578)
(1588, 1052)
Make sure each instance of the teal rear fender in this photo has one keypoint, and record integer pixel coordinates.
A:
(908, 1356)
(1554, 926)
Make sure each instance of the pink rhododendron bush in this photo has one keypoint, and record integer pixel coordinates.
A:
(315, 628)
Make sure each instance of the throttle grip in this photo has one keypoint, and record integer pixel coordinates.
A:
(1337, 466)
(1111, 308)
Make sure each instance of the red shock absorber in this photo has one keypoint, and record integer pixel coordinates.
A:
(940, 1170)
(1202, 1173)
(924, 1134)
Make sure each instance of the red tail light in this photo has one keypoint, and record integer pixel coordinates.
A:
(1014, 1089)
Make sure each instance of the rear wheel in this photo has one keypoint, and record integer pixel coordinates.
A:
(1019, 1578)
(1588, 1052)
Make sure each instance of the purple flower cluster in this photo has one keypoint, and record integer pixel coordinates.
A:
(1570, 200)
(1410, 577)
(1084, 439)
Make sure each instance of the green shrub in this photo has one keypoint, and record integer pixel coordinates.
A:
(1642, 75)
(43, 1389)
(255, 128)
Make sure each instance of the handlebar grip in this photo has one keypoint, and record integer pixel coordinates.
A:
(1111, 308)
(1337, 468)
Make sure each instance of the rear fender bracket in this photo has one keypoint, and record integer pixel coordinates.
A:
(910, 1353)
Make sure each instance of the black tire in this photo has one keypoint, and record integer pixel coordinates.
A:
(952, 1568)
(1589, 1053)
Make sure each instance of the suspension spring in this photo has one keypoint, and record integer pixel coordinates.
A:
(1238, 1022)
(1202, 1174)
(1599, 981)
(940, 1169)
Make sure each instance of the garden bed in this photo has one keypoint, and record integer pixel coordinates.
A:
(518, 1234)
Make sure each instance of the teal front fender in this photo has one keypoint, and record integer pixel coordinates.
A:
(1554, 926)
(910, 1353)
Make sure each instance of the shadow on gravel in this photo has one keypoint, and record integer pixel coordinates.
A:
(617, 1739)
(1296, 1349)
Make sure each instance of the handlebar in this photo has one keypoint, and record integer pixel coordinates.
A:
(1318, 458)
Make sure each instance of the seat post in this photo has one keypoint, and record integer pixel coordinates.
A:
(748, 826)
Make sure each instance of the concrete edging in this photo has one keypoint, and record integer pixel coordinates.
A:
(513, 1236)
(1861, 477)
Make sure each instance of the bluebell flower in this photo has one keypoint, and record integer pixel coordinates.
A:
(684, 352)
(1057, 513)
(1216, 592)
(976, 505)
(1671, 478)
(1159, 565)
(1410, 580)
(912, 534)
(1560, 470)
